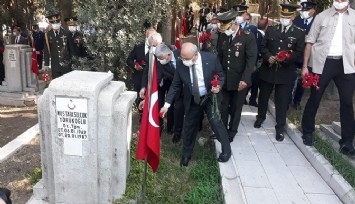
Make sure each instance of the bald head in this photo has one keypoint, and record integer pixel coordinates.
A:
(149, 32)
(188, 50)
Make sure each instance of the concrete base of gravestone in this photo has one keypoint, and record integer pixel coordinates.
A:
(18, 99)
(85, 124)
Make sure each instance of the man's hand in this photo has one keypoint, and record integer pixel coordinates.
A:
(138, 67)
(216, 89)
(163, 111)
(272, 60)
(242, 85)
(141, 105)
(304, 70)
(141, 93)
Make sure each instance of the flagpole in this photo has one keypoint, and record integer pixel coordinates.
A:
(141, 196)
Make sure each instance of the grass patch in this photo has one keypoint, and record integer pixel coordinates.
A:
(325, 147)
(35, 175)
(199, 183)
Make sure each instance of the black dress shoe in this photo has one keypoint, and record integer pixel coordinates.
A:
(307, 139)
(224, 157)
(347, 150)
(258, 122)
(185, 161)
(176, 138)
(280, 137)
(253, 103)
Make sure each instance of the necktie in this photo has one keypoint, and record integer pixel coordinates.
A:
(16, 40)
(195, 91)
(283, 32)
(56, 33)
(306, 22)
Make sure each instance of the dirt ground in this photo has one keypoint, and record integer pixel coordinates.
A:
(15, 121)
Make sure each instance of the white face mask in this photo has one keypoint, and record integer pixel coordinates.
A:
(78, 28)
(240, 20)
(153, 49)
(14, 33)
(56, 26)
(305, 14)
(229, 32)
(285, 21)
(72, 28)
(214, 26)
(341, 5)
(163, 62)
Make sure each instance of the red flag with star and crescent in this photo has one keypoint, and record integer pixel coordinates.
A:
(34, 59)
(149, 137)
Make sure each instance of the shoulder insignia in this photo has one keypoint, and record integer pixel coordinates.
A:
(247, 32)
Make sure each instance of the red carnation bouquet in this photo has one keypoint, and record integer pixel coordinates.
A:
(215, 109)
(205, 38)
(281, 56)
(140, 64)
(310, 80)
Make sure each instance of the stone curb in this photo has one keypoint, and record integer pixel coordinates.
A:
(330, 175)
(230, 180)
(20, 141)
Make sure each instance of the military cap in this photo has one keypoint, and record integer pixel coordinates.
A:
(54, 18)
(72, 21)
(306, 5)
(240, 8)
(226, 19)
(287, 10)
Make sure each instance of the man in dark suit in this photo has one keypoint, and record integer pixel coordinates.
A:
(166, 67)
(136, 60)
(276, 72)
(18, 38)
(57, 48)
(38, 38)
(193, 76)
(304, 21)
(238, 55)
(75, 41)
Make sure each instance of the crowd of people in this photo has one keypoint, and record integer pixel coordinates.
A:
(58, 44)
(260, 59)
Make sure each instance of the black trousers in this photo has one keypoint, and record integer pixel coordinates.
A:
(56, 74)
(282, 94)
(232, 105)
(178, 116)
(254, 89)
(191, 125)
(333, 70)
(40, 61)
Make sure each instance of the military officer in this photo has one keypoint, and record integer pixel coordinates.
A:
(276, 72)
(57, 48)
(238, 55)
(241, 18)
(75, 41)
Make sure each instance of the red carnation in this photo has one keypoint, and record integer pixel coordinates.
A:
(215, 81)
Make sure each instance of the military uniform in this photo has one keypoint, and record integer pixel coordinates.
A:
(238, 54)
(75, 39)
(57, 50)
(278, 74)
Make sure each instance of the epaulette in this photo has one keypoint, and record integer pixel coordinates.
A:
(299, 28)
(247, 32)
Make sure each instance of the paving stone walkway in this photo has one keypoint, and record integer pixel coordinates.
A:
(265, 171)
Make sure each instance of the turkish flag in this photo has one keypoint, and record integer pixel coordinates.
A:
(149, 137)
(34, 59)
(177, 41)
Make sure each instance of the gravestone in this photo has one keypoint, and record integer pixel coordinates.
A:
(85, 126)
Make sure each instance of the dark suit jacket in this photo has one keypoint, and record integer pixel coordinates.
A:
(182, 79)
(299, 22)
(238, 59)
(76, 46)
(23, 40)
(58, 51)
(272, 44)
(2, 68)
(38, 38)
(137, 54)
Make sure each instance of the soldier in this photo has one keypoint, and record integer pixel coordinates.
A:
(75, 38)
(276, 72)
(57, 48)
(38, 38)
(238, 55)
(243, 19)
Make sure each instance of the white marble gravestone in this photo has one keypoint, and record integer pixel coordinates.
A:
(85, 125)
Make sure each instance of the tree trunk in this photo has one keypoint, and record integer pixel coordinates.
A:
(173, 21)
(65, 9)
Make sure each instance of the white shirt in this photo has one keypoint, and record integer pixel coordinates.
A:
(309, 20)
(262, 32)
(336, 46)
(200, 79)
(17, 39)
(146, 48)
